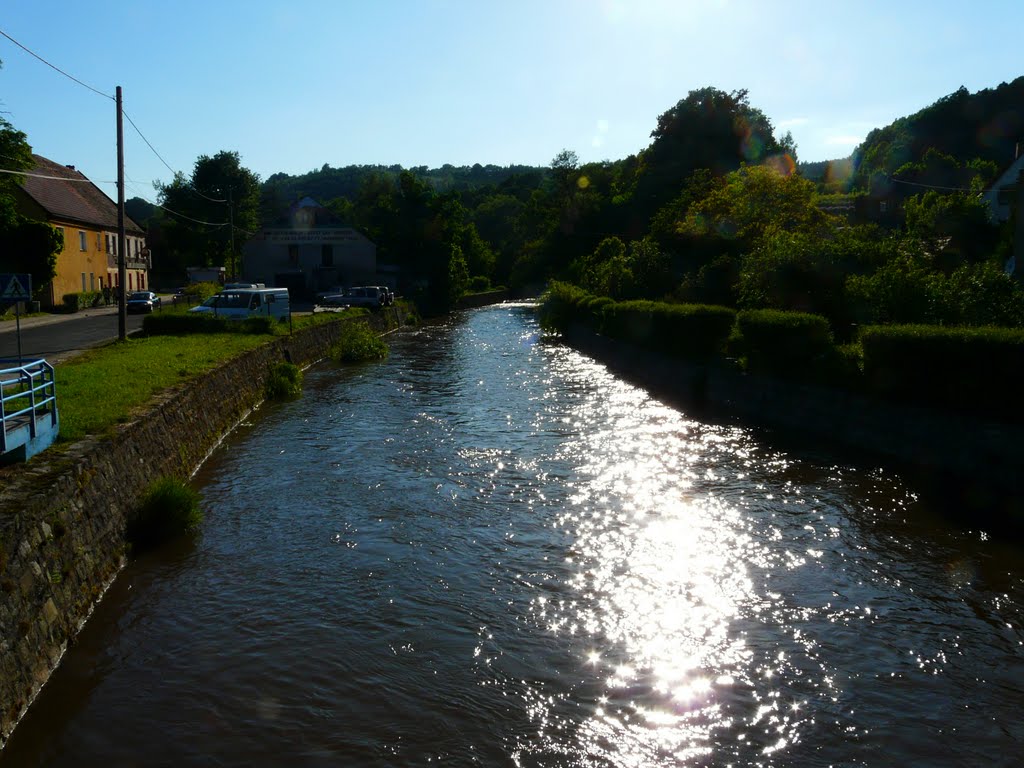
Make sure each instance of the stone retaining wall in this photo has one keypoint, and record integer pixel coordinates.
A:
(62, 516)
(969, 467)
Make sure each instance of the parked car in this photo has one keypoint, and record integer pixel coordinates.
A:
(387, 293)
(142, 301)
(368, 296)
(330, 295)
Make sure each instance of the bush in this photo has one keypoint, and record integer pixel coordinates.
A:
(479, 284)
(563, 304)
(183, 323)
(689, 331)
(73, 302)
(258, 325)
(284, 382)
(176, 323)
(197, 293)
(169, 508)
(358, 343)
(959, 368)
(788, 344)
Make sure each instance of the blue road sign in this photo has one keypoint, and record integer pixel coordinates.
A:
(15, 287)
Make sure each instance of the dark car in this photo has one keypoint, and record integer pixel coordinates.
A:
(142, 301)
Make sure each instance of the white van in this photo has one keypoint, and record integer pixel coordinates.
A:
(240, 303)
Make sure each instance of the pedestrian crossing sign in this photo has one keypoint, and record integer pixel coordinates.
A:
(15, 287)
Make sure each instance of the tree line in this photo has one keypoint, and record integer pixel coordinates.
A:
(715, 210)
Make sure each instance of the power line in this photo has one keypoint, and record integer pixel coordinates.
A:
(83, 180)
(52, 66)
(174, 172)
(931, 186)
(132, 122)
(189, 218)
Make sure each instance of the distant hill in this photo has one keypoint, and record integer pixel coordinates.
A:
(986, 125)
(328, 183)
(827, 171)
(140, 211)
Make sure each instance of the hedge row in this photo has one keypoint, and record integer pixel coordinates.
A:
(793, 345)
(690, 331)
(184, 323)
(964, 369)
(73, 302)
(960, 368)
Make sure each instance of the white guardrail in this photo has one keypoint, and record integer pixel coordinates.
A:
(28, 405)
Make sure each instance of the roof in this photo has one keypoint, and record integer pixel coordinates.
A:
(76, 199)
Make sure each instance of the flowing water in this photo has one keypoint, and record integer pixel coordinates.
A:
(487, 550)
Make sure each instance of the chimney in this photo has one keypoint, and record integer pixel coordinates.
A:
(70, 167)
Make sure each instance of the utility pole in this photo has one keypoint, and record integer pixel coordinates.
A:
(231, 234)
(122, 272)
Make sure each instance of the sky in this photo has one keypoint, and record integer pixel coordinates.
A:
(292, 86)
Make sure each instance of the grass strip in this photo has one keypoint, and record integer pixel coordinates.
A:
(101, 387)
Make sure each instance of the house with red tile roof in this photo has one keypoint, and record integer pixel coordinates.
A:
(67, 200)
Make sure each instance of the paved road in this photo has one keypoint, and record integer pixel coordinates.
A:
(58, 337)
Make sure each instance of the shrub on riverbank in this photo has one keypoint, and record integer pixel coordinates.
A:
(689, 331)
(284, 382)
(357, 343)
(169, 508)
(960, 368)
(793, 345)
(182, 323)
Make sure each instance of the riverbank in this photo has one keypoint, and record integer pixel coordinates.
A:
(62, 517)
(970, 466)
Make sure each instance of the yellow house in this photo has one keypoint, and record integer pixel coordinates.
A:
(62, 196)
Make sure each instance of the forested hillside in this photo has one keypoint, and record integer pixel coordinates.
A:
(982, 127)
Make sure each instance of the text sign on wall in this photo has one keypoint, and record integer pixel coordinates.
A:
(15, 287)
(311, 235)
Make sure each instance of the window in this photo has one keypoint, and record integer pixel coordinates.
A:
(82, 246)
(92, 281)
(293, 255)
(327, 255)
(99, 241)
(83, 281)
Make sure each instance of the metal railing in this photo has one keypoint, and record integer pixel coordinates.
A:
(28, 392)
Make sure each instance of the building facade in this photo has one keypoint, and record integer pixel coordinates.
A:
(69, 202)
(309, 251)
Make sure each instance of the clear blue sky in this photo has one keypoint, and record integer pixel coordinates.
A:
(294, 85)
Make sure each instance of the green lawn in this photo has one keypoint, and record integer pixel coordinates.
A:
(101, 387)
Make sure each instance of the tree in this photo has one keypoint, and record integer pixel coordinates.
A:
(30, 246)
(753, 202)
(213, 211)
(954, 226)
(708, 129)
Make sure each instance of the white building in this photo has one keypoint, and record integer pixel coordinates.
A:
(310, 251)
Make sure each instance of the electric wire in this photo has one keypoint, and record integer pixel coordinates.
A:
(52, 66)
(190, 187)
(930, 186)
(82, 180)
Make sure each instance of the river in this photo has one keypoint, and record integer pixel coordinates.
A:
(488, 550)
